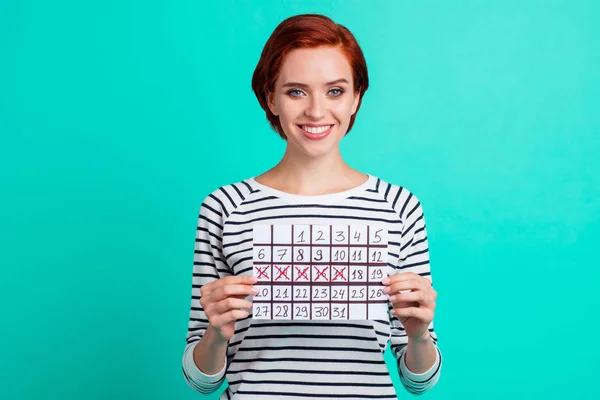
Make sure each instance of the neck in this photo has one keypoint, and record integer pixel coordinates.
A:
(301, 174)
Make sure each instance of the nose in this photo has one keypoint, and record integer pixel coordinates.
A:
(315, 108)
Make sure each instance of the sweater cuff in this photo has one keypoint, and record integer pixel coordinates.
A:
(200, 381)
(419, 378)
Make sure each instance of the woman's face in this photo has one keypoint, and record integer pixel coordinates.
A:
(314, 99)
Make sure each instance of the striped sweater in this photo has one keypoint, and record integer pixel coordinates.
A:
(299, 359)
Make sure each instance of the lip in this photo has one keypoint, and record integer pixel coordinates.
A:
(313, 125)
(320, 136)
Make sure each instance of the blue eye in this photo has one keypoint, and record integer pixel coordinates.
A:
(294, 91)
(336, 92)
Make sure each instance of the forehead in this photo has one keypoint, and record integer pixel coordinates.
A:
(315, 66)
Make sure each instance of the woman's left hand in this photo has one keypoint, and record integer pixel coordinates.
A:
(415, 308)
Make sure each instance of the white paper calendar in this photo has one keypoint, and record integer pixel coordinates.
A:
(320, 272)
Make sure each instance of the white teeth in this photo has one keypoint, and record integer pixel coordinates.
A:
(316, 130)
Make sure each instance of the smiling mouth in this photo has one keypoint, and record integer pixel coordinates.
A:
(315, 130)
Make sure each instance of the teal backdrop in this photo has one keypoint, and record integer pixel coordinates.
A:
(118, 117)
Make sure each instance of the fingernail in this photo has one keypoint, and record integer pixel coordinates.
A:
(386, 289)
(386, 281)
(393, 311)
(392, 298)
(254, 279)
(255, 290)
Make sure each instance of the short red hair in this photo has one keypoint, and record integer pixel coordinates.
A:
(302, 32)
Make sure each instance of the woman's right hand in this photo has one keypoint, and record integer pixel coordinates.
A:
(224, 303)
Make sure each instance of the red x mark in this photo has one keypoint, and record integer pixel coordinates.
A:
(339, 272)
(282, 272)
(321, 273)
(262, 272)
(301, 273)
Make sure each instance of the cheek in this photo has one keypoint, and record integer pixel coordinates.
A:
(343, 111)
(289, 110)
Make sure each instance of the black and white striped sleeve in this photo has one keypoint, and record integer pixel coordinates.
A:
(209, 265)
(414, 257)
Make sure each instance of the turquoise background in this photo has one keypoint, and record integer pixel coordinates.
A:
(118, 117)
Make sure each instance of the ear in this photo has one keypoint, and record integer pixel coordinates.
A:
(271, 102)
(355, 103)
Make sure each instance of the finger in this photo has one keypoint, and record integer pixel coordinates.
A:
(400, 276)
(232, 315)
(228, 280)
(213, 297)
(420, 297)
(228, 304)
(422, 314)
(226, 291)
(396, 287)
(405, 304)
(241, 296)
(418, 283)
(412, 276)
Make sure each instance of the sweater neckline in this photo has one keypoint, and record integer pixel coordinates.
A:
(318, 199)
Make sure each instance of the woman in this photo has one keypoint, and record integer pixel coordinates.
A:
(310, 81)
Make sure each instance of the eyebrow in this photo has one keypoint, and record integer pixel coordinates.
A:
(303, 85)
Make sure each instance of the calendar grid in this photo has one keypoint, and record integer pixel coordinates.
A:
(330, 245)
(292, 276)
(323, 272)
(310, 303)
(272, 268)
(348, 305)
(330, 250)
(372, 264)
(310, 283)
(368, 240)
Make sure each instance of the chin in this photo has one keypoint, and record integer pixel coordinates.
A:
(315, 149)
